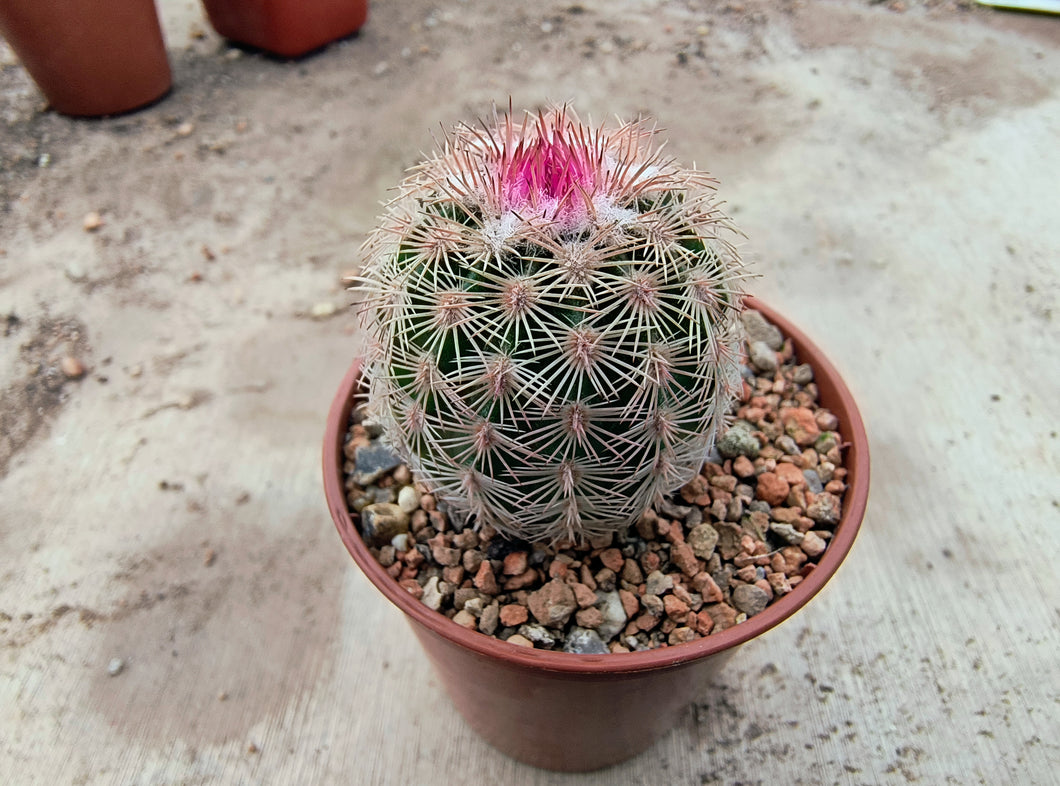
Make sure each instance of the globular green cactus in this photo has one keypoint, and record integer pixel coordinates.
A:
(551, 313)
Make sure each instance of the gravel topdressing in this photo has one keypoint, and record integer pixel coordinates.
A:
(742, 533)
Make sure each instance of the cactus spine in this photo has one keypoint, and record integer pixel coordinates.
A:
(551, 313)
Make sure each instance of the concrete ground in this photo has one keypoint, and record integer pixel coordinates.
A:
(894, 166)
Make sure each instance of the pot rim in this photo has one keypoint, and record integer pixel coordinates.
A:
(838, 399)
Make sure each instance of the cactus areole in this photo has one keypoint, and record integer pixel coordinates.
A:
(551, 310)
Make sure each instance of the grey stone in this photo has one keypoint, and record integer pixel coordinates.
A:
(749, 599)
(734, 510)
(803, 374)
(703, 539)
(387, 494)
(672, 510)
(757, 328)
(826, 509)
(788, 445)
(826, 471)
(382, 522)
(729, 535)
(490, 618)
(657, 583)
(786, 533)
(432, 596)
(722, 577)
(462, 595)
(387, 556)
(744, 492)
(373, 461)
(360, 502)
(813, 481)
(653, 604)
(694, 517)
(739, 440)
(583, 641)
(825, 442)
(763, 358)
(539, 634)
(610, 604)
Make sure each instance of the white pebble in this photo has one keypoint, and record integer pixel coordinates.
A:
(115, 667)
(323, 310)
(408, 499)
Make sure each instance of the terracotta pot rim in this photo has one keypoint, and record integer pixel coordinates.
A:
(854, 504)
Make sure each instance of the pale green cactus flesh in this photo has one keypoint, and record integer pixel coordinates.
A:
(551, 311)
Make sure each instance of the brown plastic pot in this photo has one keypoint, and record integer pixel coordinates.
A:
(90, 57)
(570, 712)
(288, 28)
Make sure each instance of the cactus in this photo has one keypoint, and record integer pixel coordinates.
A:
(551, 318)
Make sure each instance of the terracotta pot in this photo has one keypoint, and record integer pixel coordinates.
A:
(581, 712)
(288, 28)
(90, 57)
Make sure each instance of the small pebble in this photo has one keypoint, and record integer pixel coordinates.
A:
(772, 489)
(750, 599)
(489, 619)
(825, 509)
(739, 440)
(764, 358)
(115, 667)
(381, 522)
(813, 481)
(703, 539)
(408, 499)
(323, 310)
(71, 367)
(803, 375)
(758, 329)
(513, 614)
(812, 545)
(75, 272)
(539, 634)
(92, 221)
(553, 604)
(432, 596)
(372, 462)
(657, 584)
(614, 615)
(786, 533)
(584, 641)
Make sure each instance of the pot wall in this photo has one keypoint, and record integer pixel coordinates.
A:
(288, 28)
(90, 57)
(563, 721)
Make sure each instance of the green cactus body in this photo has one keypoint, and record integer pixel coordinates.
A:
(551, 314)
